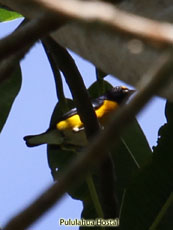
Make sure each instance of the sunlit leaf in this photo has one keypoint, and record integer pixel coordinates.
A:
(6, 15)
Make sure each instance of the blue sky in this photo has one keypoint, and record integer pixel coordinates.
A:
(24, 172)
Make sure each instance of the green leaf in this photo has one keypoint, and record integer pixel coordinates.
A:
(169, 112)
(136, 143)
(164, 219)
(125, 156)
(9, 89)
(132, 153)
(95, 90)
(100, 74)
(59, 160)
(150, 189)
(6, 15)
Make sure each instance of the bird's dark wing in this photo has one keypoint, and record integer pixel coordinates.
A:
(96, 103)
(70, 113)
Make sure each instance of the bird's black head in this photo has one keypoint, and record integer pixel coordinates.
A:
(119, 94)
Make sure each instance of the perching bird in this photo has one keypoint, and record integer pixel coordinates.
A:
(69, 129)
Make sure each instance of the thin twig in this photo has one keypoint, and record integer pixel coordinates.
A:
(96, 150)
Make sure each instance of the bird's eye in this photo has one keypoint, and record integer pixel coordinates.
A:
(124, 89)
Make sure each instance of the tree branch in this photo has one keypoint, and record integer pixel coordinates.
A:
(113, 18)
(7, 65)
(27, 35)
(97, 149)
(115, 32)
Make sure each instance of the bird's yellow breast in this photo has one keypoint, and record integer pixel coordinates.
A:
(104, 111)
(70, 123)
(102, 114)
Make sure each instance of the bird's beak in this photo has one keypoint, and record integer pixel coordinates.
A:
(131, 91)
